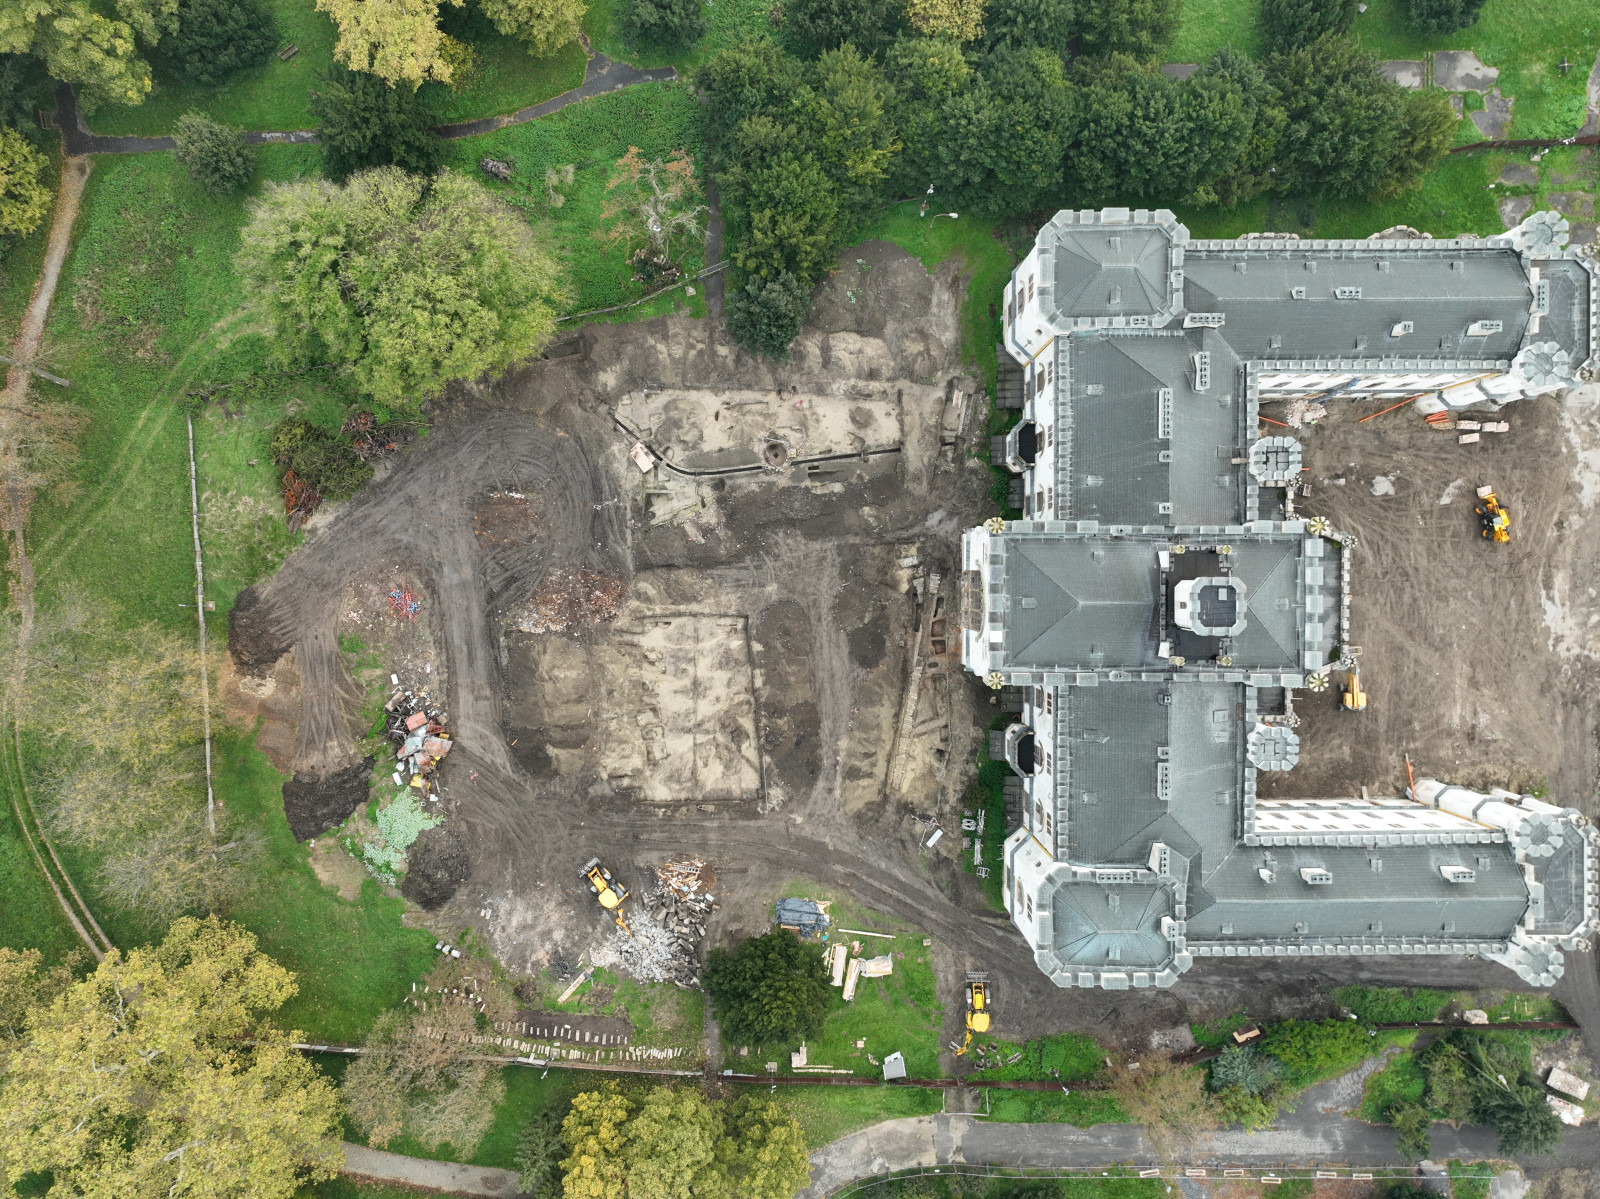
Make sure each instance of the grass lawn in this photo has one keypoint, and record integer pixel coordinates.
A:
(828, 1113)
(1525, 39)
(1082, 1109)
(663, 1015)
(1072, 1056)
(1401, 1081)
(275, 95)
(657, 118)
(1206, 26)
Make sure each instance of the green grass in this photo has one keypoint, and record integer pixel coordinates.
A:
(1206, 26)
(897, 1013)
(663, 1015)
(1469, 1181)
(828, 1113)
(276, 95)
(657, 118)
(1218, 1034)
(1082, 1109)
(1401, 1081)
(527, 1094)
(1072, 1056)
(1525, 39)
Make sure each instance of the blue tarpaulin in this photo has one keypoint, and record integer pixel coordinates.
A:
(804, 916)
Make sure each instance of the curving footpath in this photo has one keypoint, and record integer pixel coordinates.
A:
(1314, 1134)
(448, 1177)
(600, 75)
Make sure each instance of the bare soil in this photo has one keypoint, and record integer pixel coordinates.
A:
(765, 749)
(316, 803)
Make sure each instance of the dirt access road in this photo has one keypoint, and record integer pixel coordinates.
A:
(790, 598)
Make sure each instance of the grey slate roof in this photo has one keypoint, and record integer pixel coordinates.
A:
(1440, 295)
(1110, 271)
(1093, 922)
(1570, 314)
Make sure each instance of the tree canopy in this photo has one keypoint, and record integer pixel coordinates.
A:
(363, 122)
(1288, 24)
(770, 988)
(214, 154)
(676, 1144)
(676, 23)
(160, 1074)
(1443, 16)
(215, 38)
(410, 282)
(546, 25)
(24, 199)
(399, 41)
(84, 47)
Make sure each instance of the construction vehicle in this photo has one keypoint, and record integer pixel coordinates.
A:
(1353, 698)
(609, 892)
(1496, 521)
(977, 1009)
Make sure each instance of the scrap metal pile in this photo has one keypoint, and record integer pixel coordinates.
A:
(418, 731)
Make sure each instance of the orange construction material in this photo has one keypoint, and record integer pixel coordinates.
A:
(1401, 404)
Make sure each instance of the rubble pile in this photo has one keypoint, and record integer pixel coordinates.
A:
(570, 599)
(650, 955)
(418, 731)
(506, 518)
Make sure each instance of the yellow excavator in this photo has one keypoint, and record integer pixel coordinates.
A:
(1494, 519)
(977, 1009)
(609, 892)
(1353, 698)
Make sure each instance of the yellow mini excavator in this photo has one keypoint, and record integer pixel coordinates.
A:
(1494, 519)
(608, 892)
(977, 1009)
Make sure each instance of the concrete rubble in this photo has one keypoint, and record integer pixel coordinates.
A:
(665, 945)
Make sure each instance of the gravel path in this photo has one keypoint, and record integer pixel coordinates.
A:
(448, 1177)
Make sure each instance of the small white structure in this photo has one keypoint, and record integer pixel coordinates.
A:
(894, 1066)
(1567, 1083)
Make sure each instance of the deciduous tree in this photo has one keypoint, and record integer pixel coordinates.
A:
(677, 23)
(764, 1152)
(411, 282)
(1168, 1098)
(399, 41)
(160, 1074)
(24, 199)
(770, 988)
(812, 26)
(654, 201)
(596, 1136)
(80, 45)
(958, 20)
(546, 25)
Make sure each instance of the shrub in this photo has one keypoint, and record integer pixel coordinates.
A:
(319, 457)
(24, 199)
(765, 315)
(215, 38)
(214, 154)
(1235, 1105)
(663, 22)
(1392, 1005)
(1310, 1049)
(770, 988)
(1242, 1066)
(1412, 1122)
(1444, 16)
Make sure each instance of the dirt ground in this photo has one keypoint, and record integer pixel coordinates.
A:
(1478, 658)
(747, 703)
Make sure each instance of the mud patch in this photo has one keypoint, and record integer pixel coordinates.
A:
(254, 640)
(507, 518)
(269, 702)
(571, 599)
(438, 863)
(790, 738)
(334, 867)
(316, 804)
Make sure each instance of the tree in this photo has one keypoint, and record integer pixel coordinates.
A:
(411, 282)
(214, 154)
(1255, 171)
(1412, 1122)
(595, 1135)
(1138, 27)
(764, 1153)
(1168, 1098)
(653, 201)
(1444, 16)
(813, 26)
(958, 20)
(675, 23)
(672, 1144)
(790, 206)
(160, 1074)
(26, 985)
(765, 315)
(540, 1150)
(546, 25)
(750, 78)
(927, 74)
(1001, 147)
(416, 1079)
(1342, 120)
(24, 199)
(215, 38)
(1307, 1048)
(770, 988)
(1244, 1067)
(847, 111)
(1288, 24)
(1047, 24)
(1235, 1105)
(80, 46)
(399, 41)
(362, 122)
(1517, 1110)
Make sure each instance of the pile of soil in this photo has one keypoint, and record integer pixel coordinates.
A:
(571, 599)
(436, 865)
(314, 804)
(253, 639)
(506, 518)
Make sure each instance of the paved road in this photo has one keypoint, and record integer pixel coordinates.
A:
(1313, 1134)
(434, 1176)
